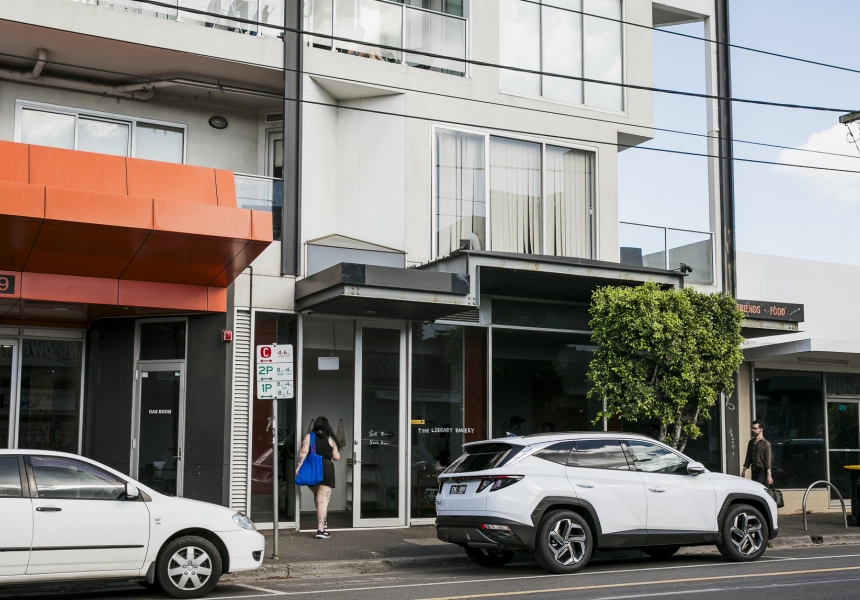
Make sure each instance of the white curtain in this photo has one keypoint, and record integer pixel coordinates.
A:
(460, 191)
(515, 196)
(569, 202)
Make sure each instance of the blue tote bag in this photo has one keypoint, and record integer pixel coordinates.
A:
(311, 471)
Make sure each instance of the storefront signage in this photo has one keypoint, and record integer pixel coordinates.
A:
(446, 430)
(274, 353)
(771, 311)
(274, 372)
(7, 285)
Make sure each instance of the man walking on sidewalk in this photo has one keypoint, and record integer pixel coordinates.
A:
(758, 455)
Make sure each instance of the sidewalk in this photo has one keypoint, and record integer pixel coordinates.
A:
(384, 550)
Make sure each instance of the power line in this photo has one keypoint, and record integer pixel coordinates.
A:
(480, 63)
(699, 38)
(267, 94)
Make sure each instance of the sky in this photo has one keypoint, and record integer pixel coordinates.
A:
(781, 211)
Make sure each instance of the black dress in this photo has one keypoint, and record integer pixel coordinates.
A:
(324, 449)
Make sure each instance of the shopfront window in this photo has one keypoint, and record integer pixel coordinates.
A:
(449, 391)
(281, 329)
(6, 357)
(50, 395)
(791, 404)
(539, 383)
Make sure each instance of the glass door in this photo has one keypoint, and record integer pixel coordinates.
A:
(843, 434)
(8, 390)
(159, 431)
(380, 443)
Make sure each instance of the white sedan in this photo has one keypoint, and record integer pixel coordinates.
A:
(66, 517)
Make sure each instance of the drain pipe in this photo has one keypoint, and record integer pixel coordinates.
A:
(40, 63)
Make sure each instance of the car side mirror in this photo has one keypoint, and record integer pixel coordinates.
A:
(131, 491)
(695, 468)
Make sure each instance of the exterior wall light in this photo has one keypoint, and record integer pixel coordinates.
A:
(218, 122)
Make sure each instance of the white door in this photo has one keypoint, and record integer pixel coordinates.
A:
(82, 521)
(8, 391)
(677, 501)
(601, 475)
(159, 431)
(17, 517)
(380, 443)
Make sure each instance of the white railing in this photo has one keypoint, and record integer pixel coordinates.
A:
(222, 14)
(667, 248)
(261, 193)
(369, 25)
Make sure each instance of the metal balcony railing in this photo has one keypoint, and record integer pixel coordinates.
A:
(261, 193)
(221, 13)
(667, 248)
(369, 24)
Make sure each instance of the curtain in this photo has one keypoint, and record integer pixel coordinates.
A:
(460, 191)
(569, 202)
(515, 196)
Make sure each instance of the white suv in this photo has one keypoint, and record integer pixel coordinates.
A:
(561, 496)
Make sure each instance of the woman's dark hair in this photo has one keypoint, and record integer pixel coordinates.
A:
(323, 428)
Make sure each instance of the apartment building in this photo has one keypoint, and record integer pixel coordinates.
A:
(190, 187)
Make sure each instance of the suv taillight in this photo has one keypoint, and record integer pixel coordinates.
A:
(497, 482)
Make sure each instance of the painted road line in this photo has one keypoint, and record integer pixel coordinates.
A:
(549, 576)
(257, 589)
(607, 586)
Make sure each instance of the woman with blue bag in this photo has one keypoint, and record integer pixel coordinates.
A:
(315, 469)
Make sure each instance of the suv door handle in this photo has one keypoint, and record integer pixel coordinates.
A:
(585, 485)
(48, 509)
(659, 490)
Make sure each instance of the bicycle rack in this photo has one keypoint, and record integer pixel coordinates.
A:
(832, 487)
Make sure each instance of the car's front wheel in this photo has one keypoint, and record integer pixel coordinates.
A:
(744, 534)
(489, 558)
(189, 567)
(564, 542)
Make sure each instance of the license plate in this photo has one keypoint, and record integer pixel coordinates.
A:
(458, 489)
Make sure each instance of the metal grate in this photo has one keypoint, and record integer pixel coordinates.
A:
(240, 430)
(468, 316)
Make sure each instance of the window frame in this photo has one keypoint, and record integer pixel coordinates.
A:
(34, 485)
(78, 113)
(584, 104)
(488, 134)
(628, 444)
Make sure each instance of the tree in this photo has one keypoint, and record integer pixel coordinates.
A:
(663, 354)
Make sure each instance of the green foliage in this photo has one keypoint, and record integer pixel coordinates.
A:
(663, 354)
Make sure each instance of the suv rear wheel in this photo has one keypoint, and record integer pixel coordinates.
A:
(564, 542)
(744, 534)
(486, 557)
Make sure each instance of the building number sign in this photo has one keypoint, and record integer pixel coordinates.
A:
(7, 285)
(274, 367)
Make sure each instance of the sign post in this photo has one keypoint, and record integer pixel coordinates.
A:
(274, 382)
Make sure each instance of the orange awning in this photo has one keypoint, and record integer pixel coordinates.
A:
(107, 231)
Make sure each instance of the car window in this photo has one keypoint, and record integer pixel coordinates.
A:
(71, 479)
(599, 454)
(10, 477)
(651, 458)
(557, 453)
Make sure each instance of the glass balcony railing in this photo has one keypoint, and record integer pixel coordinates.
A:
(222, 14)
(262, 193)
(370, 24)
(666, 248)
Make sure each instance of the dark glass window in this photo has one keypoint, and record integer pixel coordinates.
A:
(791, 404)
(10, 477)
(540, 314)
(557, 453)
(651, 458)
(162, 340)
(599, 454)
(481, 458)
(63, 478)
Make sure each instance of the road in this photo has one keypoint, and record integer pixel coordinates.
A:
(824, 572)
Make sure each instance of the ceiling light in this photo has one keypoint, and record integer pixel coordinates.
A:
(60, 309)
(218, 122)
(822, 361)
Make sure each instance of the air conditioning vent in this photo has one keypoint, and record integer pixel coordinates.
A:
(469, 316)
(274, 117)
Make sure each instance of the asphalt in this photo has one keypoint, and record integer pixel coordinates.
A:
(396, 550)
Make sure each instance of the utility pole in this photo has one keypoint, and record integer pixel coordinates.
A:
(727, 172)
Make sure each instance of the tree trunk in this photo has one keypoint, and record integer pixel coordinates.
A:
(686, 438)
